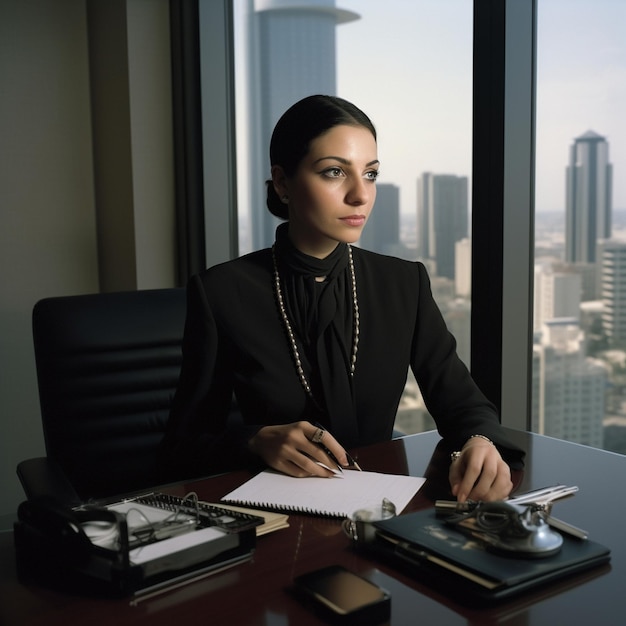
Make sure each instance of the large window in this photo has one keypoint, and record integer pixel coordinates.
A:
(579, 352)
(409, 66)
(545, 106)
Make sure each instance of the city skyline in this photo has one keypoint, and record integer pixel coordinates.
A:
(581, 86)
(409, 66)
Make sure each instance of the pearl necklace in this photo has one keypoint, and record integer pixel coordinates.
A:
(290, 334)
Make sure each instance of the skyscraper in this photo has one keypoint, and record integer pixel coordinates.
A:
(612, 259)
(568, 388)
(588, 197)
(382, 232)
(442, 219)
(291, 55)
(557, 293)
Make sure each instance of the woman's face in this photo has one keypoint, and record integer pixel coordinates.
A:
(333, 190)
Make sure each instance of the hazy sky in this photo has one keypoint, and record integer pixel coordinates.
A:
(408, 64)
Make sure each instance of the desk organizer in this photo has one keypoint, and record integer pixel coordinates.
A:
(132, 546)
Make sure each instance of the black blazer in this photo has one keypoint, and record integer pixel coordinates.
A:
(235, 342)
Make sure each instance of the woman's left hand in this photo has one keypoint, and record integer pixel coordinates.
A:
(480, 473)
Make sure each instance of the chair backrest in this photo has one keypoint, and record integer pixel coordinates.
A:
(107, 368)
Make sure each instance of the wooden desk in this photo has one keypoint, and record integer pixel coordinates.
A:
(254, 594)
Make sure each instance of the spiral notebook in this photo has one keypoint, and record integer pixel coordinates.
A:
(339, 496)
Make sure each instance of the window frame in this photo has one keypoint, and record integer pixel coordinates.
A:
(503, 204)
(217, 84)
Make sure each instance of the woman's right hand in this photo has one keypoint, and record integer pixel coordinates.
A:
(289, 448)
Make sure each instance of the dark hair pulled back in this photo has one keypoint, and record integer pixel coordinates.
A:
(303, 122)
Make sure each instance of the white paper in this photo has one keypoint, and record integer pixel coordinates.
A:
(338, 496)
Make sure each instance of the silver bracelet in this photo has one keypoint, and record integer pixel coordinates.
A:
(457, 453)
(482, 437)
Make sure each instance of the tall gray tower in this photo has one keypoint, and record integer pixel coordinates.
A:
(442, 219)
(588, 198)
(382, 231)
(292, 55)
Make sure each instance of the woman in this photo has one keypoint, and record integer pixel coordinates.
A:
(314, 336)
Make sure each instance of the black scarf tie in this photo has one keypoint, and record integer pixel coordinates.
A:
(321, 314)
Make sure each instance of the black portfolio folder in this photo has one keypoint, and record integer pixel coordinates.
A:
(464, 565)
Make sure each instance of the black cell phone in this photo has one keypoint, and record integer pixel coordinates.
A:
(342, 596)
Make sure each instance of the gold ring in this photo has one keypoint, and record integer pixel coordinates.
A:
(317, 435)
(455, 455)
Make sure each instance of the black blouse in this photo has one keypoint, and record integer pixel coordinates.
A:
(235, 342)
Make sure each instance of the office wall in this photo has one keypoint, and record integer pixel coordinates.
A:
(50, 213)
(47, 209)
(131, 109)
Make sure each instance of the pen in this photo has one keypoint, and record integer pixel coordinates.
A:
(545, 495)
(559, 524)
(352, 462)
(330, 455)
(333, 458)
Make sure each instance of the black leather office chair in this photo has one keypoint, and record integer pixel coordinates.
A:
(107, 368)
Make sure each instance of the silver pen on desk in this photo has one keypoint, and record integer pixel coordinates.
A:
(544, 495)
(547, 496)
(566, 527)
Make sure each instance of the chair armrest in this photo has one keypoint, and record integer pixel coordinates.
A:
(43, 477)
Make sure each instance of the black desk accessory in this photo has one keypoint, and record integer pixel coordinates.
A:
(131, 546)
